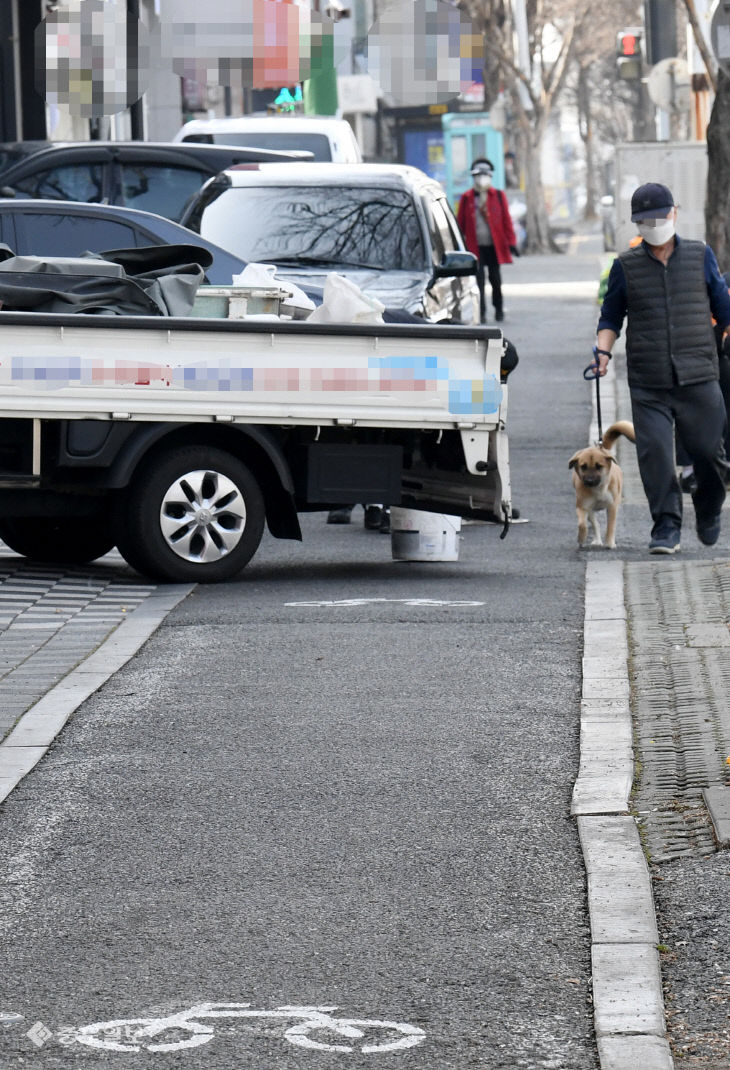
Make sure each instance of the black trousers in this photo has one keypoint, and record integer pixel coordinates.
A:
(488, 260)
(699, 414)
(683, 457)
(725, 388)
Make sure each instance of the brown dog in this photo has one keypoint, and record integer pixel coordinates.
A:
(598, 482)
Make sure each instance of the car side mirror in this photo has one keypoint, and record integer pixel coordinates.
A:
(7, 191)
(455, 264)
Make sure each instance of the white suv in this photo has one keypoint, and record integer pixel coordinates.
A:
(329, 140)
(387, 227)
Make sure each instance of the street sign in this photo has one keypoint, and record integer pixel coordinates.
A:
(720, 34)
(668, 85)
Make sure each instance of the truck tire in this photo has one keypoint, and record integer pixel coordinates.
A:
(194, 514)
(67, 540)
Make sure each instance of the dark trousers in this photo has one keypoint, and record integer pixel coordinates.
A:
(699, 414)
(683, 457)
(725, 388)
(488, 260)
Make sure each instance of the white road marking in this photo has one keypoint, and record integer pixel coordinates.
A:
(351, 1027)
(10, 1018)
(402, 601)
(135, 1034)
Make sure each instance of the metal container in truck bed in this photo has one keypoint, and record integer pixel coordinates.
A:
(177, 439)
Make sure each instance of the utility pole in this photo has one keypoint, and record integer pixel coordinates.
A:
(136, 109)
(519, 15)
(27, 16)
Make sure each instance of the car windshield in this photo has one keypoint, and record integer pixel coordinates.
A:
(328, 225)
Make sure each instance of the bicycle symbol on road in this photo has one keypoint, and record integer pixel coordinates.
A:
(145, 1034)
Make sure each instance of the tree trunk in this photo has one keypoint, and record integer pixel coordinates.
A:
(717, 203)
(492, 80)
(585, 126)
(536, 220)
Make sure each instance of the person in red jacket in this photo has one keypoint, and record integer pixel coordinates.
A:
(484, 219)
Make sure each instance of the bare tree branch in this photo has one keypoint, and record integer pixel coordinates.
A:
(508, 63)
(707, 57)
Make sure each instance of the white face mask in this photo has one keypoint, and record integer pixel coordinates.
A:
(482, 182)
(656, 231)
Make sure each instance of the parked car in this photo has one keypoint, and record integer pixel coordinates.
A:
(388, 228)
(65, 228)
(329, 140)
(11, 152)
(155, 177)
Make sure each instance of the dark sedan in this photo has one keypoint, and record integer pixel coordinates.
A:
(155, 177)
(64, 228)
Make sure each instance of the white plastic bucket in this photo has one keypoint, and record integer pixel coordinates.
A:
(419, 536)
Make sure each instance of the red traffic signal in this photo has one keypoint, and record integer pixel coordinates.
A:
(628, 53)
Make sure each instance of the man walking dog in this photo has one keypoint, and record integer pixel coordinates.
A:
(668, 288)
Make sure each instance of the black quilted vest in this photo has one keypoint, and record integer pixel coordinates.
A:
(669, 336)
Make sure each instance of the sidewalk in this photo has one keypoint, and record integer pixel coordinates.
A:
(677, 617)
(63, 633)
(680, 668)
(50, 620)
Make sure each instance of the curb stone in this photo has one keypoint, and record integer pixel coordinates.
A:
(31, 737)
(627, 991)
(627, 986)
(717, 801)
(630, 1053)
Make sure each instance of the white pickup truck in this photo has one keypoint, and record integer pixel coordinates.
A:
(176, 439)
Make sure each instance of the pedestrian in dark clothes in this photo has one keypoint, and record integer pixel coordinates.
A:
(667, 289)
(484, 219)
(723, 353)
(687, 479)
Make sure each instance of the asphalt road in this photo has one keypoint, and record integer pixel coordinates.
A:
(360, 806)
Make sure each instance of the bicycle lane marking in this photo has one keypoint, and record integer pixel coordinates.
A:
(137, 1034)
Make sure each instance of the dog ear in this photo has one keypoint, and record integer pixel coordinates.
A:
(574, 459)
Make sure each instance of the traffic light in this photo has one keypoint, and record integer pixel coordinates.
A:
(628, 54)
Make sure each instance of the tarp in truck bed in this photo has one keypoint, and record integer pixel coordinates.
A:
(146, 281)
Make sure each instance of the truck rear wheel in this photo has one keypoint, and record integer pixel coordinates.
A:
(68, 540)
(195, 514)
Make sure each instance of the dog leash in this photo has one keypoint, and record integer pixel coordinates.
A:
(592, 372)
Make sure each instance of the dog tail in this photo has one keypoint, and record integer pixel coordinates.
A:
(622, 427)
